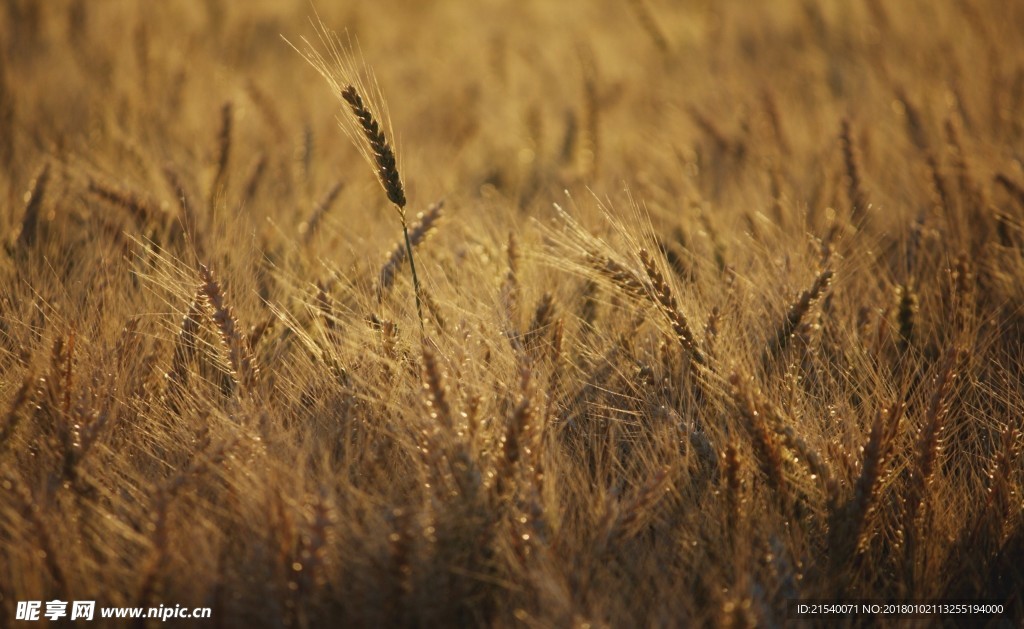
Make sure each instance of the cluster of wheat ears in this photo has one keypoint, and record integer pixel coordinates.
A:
(723, 308)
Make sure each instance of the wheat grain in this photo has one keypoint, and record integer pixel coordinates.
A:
(618, 274)
(915, 125)
(141, 210)
(590, 146)
(434, 309)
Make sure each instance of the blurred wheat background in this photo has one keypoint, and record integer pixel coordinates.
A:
(722, 303)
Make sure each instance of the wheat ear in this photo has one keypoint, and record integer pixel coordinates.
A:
(309, 228)
(854, 180)
(795, 315)
(1011, 186)
(662, 293)
(22, 399)
(141, 209)
(849, 524)
(220, 179)
(931, 440)
(419, 231)
(384, 156)
(434, 391)
(387, 172)
(238, 352)
(35, 200)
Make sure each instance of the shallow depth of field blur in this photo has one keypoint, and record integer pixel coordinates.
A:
(723, 306)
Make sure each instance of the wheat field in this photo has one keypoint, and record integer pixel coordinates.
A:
(718, 306)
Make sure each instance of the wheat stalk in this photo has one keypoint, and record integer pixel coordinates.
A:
(383, 155)
(349, 77)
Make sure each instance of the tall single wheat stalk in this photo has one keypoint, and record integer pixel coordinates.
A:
(351, 80)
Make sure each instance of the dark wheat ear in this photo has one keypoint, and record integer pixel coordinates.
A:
(348, 76)
(387, 173)
(387, 169)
